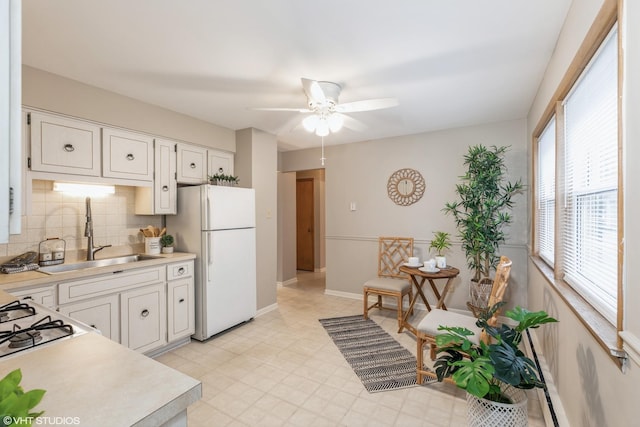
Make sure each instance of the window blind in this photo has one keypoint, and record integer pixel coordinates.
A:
(546, 192)
(590, 208)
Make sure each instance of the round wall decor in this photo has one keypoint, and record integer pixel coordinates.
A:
(405, 186)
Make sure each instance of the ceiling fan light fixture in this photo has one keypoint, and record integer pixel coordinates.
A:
(323, 128)
(310, 123)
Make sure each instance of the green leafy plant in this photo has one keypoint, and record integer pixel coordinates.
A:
(223, 179)
(441, 242)
(166, 240)
(482, 211)
(15, 403)
(481, 368)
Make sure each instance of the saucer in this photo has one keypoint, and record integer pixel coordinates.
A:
(424, 270)
(406, 264)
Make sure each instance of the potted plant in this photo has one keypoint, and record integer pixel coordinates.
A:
(167, 243)
(440, 243)
(15, 403)
(495, 371)
(223, 179)
(481, 214)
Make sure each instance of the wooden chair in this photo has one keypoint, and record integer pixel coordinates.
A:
(392, 253)
(428, 328)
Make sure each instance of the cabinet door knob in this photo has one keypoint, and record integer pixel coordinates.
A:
(144, 313)
(165, 188)
(220, 170)
(130, 156)
(181, 300)
(68, 148)
(181, 270)
(93, 326)
(192, 165)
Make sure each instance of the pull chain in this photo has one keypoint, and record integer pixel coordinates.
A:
(322, 158)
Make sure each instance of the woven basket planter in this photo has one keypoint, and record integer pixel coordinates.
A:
(485, 413)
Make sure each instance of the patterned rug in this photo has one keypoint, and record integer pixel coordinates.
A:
(380, 362)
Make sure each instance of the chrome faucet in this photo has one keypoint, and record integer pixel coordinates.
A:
(88, 233)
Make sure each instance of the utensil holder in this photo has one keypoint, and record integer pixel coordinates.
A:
(152, 245)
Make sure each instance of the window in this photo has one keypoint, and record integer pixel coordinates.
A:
(546, 192)
(577, 210)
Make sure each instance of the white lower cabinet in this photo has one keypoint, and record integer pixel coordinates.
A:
(43, 295)
(100, 313)
(143, 308)
(143, 318)
(180, 309)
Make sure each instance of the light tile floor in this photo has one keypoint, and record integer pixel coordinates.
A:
(282, 369)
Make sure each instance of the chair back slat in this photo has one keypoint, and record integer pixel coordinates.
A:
(500, 283)
(392, 253)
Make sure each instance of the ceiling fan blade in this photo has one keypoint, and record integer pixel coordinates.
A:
(367, 105)
(353, 124)
(313, 90)
(299, 110)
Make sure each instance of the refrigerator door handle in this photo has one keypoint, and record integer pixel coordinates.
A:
(209, 249)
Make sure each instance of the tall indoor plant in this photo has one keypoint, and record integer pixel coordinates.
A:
(485, 370)
(483, 208)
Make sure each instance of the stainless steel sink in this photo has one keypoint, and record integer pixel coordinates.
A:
(82, 265)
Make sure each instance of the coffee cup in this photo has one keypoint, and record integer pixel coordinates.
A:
(430, 264)
(414, 260)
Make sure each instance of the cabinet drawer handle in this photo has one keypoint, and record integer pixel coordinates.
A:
(28, 297)
(192, 165)
(130, 157)
(93, 326)
(68, 148)
(165, 188)
(181, 270)
(144, 313)
(181, 300)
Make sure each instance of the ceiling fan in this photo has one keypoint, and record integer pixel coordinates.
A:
(327, 113)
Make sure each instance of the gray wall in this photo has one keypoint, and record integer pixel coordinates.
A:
(359, 173)
(256, 165)
(47, 91)
(287, 227)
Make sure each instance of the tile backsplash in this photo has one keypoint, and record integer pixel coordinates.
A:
(55, 214)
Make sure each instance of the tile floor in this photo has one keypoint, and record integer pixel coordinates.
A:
(282, 369)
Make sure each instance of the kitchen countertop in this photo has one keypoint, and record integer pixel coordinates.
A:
(35, 278)
(93, 381)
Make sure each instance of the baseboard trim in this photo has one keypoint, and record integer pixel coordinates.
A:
(266, 309)
(289, 282)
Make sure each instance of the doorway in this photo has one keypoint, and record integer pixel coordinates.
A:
(305, 220)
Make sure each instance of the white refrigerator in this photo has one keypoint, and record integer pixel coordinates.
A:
(217, 223)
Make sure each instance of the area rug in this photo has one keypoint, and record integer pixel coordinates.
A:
(380, 361)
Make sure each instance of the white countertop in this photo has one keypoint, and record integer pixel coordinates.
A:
(103, 383)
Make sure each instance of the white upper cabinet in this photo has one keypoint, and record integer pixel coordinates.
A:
(64, 145)
(192, 164)
(127, 155)
(161, 199)
(220, 162)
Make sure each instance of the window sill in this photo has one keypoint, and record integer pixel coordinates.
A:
(602, 331)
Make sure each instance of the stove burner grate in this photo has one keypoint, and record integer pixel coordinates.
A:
(17, 309)
(35, 334)
(25, 339)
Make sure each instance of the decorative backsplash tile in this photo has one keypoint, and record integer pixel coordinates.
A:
(55, 214)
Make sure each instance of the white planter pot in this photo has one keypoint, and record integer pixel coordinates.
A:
(441, 262)
(167, 250)
(485, 413)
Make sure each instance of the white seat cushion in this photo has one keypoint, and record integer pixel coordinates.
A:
(388, 284)
(436, 317)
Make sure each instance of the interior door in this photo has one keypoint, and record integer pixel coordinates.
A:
(304, 224)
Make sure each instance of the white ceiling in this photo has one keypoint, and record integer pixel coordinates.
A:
(449, 63)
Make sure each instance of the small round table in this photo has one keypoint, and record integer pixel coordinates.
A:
(448, 273)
